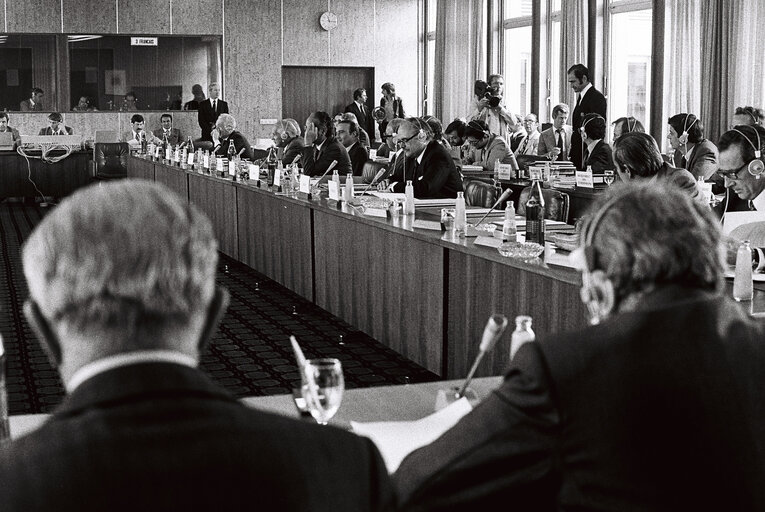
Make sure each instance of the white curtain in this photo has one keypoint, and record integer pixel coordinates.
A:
(749, 54)
(460, 56)
(573, 39)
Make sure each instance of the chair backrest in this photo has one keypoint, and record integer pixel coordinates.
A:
(556, 203)
(107, 136)
(111, 160)
(524, 161)
(371, 169)
(479, 193)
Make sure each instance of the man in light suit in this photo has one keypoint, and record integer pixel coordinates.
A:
(34, 102)
(173, 135)
(142, 428)
(137, 134)
(555, 142)
(588, 101)
(530, 142)
(209, 110)
(361, 111)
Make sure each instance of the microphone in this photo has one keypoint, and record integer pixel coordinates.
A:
(377, 177)
(495, 326)
(331, 166)
(503, 197)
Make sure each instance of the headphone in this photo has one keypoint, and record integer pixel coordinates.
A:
(422, 134)
(634, 124)
(754, 117)
(476, 126)
(756, 167)
(582, 128)
(683, 138)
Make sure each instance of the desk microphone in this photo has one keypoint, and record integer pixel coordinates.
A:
(503, 197)
(331, 166)
(377, 177)
(495, 326)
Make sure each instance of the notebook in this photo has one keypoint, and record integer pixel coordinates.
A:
(6, 141)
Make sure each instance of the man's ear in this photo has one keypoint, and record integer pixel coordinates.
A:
(602, 294)
(215, 312)
(42, 328)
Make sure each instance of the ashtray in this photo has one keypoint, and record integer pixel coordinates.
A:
(521, 250)
(486, 228)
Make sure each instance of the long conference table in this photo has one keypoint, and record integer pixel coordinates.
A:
(423, 293)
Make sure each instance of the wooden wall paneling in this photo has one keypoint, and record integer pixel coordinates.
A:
(479, 288)
(387, 284)
(174, 178)
(200, 16)
(38, 16)
(90, 16)
(253, 46)
(305, 42)
(217, 199)
(57, 180)
(275, 239)
(150, 17)
(352, 42)
(138, 168)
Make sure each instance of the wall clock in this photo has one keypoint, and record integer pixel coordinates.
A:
(328, 21)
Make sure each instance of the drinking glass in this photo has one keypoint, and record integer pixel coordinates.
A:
(608, 177)
(323, 386)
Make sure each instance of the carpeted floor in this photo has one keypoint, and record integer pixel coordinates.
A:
(250, 354)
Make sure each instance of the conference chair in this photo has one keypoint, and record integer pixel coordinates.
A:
(111, 160)
(370, 170)
(556, 204)
(479, 193)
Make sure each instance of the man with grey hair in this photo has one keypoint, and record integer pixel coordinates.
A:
(123, 295)
(225, 134)
(656, 406)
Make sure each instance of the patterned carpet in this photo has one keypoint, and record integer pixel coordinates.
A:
(250, 354)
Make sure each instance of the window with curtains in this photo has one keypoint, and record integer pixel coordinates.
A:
(628, 66)
(516, 61)
(430, 52)
(554, 63)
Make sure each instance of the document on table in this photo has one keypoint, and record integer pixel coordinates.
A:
(397, 439)
(390, 196)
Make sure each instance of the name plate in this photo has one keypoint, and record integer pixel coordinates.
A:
(206, 161)
(219, 165)
(488, 241)
(305, 184)
(190, 159)
(278, 177)
(372, 154)
(231, 168)
(584, 179)
(427, 224)
(506, 172)
(376, 212)
(254, 171)
(334, 190)
(157, 151)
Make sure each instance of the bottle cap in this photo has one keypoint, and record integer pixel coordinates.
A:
(523, 321)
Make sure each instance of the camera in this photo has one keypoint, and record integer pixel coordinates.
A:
(484, 90)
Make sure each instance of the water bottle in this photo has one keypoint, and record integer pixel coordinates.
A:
(336, 179)
(231, 153)
(409, 198)
(535, 214)
(271, 165)
(190, 144)
(509, 230)
(460, 214)
(743, 289)
(349, 187)
(523, 333)
(5, 429)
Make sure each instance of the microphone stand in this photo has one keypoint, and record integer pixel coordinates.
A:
(491, 333)
(504, 196)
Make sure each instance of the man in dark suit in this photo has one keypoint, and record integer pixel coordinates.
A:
(656, 406)
(321, 147)
(597, 153)
(56, 126)
(34, 102)
(361, 111)
(637, 157)
(225, 134)
(142, 428)
(348, 136)
(692, 151)
(209, 110)
(173, 135)
(588, 100)
(741, 170)
(434, 173)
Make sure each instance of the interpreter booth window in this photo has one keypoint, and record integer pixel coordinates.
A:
(130, 73)
(27, 62)
(630, 62)
(517, 55)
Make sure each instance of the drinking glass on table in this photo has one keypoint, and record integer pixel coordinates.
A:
(608, 177)
(323, 386)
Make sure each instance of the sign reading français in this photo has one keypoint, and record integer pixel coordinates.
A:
(143, 41)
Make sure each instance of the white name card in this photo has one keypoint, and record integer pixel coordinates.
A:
(376, 212)
(254, 172)
(157, 151)
(334, 190)
(372, 154)
(506, 172)
(584, 179)
(219, 164)
(278, 177)
(488, 241)
(305, 184)
(190, 159)
(231, 168)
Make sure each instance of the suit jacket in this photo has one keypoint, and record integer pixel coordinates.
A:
(49, 131)
(292, 149)
(129, 137)
(239, 142)
(15, 135)
(681, 179)
(366, 122)
(592, 103)
(547, 142)
(174, 137)
(600, 159)
(529, 144)
(436, 176)
(702, 161)
(359, 156)
(160, 436)
(331, 150)
(656, 409)
(26, 106)
(495, 149)
(207, 117)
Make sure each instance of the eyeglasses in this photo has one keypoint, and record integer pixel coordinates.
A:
(404, 142)
(473, 142)
(731, 175)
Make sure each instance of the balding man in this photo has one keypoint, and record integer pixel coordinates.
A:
(225, 134)
(122, 292)
(209, 110)
(321, 147)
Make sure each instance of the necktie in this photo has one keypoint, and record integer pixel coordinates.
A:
(215, 105)
(578, 99)
(559, 131)
(316, 154)
(523, 145)
(586, 156)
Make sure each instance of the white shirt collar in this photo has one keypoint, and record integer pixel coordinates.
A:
(688, 153)
(318, 148)
(759, 202)
(359, 104)
(349, 147)
(584, 91)
(90, 370)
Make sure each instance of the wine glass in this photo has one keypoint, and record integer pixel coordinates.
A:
(608, 177)
(323, 386)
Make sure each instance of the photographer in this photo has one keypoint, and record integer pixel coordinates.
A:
(489, 106)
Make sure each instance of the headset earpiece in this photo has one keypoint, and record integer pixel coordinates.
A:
(756, 167)
(683, 138)
(634, 124)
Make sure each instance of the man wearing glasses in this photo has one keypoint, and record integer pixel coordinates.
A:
(530, 143)
(741, 165)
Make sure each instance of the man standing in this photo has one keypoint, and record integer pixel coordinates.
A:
(209, 110)
(499, 120)
(588, 101)
(56, 126)
(34, 103)
(321, 147)
(361, 111)
(434, 174)
(123, 294)
(529, 144)
(656, 406)
(225, 134)
(167, 132)
(555, 142)
(348, 136)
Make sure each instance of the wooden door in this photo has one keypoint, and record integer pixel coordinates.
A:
(307, 89)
